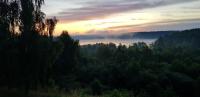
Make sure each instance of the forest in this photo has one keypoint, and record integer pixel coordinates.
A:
(34, 63)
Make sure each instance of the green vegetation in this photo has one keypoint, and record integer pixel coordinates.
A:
(34, 63)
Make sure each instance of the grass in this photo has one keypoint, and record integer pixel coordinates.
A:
(4, 92)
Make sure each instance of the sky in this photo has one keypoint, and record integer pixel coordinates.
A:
(113, 17)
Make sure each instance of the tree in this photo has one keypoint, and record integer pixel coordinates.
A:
(28, 7)
(9, 18)
(97, 87)
(29, 56)
(40, 22)
(14, 16)
(51, 23)
(67, 62)
(4, 24)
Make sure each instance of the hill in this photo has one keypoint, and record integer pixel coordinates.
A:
(186, 38)
(145, 35)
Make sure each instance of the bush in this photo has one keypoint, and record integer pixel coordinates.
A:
(118, 93)
(96, 87)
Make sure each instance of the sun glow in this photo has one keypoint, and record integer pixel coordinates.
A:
(107, 23)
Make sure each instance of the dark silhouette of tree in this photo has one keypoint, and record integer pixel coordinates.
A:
(51, 23)
(40, 22)
(4, 19)
(14, 16)
(9, 18)
(30, 56)
(66, 65)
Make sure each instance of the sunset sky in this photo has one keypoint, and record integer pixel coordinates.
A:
(105, 17)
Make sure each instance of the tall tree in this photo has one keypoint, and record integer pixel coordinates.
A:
(27, 13)
(14, 16)
(51, 23)
(4, 24)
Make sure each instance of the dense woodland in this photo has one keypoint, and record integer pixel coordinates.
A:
(31, 59)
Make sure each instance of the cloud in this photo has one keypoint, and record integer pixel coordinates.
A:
(99, 9)
(163, 22)
(98, 32)
(158, 26)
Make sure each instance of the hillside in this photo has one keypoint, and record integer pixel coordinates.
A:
(186, 38)
(145, 35)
